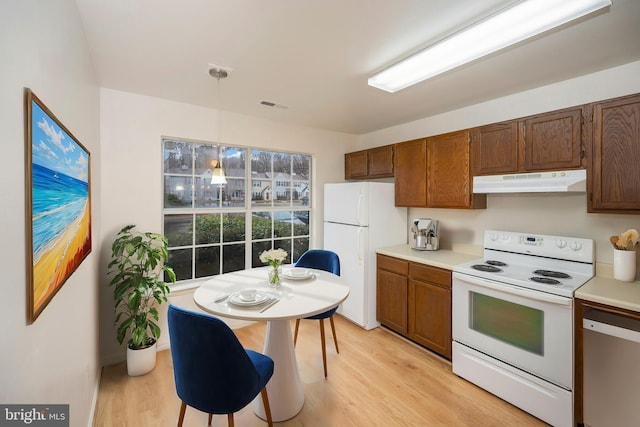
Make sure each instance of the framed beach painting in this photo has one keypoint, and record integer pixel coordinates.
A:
(58, 204)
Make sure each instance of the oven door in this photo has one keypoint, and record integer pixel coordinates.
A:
(530, 330)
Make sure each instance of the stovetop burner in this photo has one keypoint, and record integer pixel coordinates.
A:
(556, 265)
(487, 268)
(551, 273)
(545, 280)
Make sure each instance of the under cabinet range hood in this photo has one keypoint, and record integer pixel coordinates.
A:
(536, 182)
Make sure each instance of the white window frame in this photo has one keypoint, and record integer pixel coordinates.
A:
(248, 209)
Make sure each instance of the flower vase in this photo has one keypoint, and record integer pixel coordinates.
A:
(274, 276)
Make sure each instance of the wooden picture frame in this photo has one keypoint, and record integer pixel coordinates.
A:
(58, 195)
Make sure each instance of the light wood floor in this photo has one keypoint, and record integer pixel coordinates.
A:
(378, 379)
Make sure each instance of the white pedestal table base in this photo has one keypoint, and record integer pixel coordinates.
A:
(286, 394)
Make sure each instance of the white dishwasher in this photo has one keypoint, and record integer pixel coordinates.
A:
(611, 369)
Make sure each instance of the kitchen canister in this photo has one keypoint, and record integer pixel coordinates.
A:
(624, 265)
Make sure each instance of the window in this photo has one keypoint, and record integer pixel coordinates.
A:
(214, 228)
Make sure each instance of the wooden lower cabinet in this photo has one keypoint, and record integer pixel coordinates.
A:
(430, 307)
(392, 292)
(415, 300)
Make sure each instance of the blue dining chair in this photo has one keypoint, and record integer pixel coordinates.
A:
(328, 261)
(212, 371)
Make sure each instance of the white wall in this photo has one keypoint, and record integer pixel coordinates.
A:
(131, 131)
(559, 214)
(54, 360)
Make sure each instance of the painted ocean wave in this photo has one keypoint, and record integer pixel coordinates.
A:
(57, 201)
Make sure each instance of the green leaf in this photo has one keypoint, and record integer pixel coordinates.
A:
(155, 330)
(133, 301)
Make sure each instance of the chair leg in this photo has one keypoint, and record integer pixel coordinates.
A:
(324, 351)
(230, 420)
(335, 338)
(295, 334)
(267, 408)
(210, 419)
(183, 409)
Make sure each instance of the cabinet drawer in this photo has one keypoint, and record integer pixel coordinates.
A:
(393, 265)
(426, 273)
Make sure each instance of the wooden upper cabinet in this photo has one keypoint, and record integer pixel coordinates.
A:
(449, 172)
(614, 171)
(355, 165)
(367, 164)
(552, 141)
(544, 142)
(410, 168)
(495, 148)
(380, 161)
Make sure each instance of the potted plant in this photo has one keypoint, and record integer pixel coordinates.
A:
(138, 261)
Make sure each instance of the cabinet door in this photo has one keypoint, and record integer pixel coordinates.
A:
(449, 172)
(430, 324)
(553, 141)
(430, 307)
(355, 165)
(495, 149)
(392, 290)
(380, 162)
(614, 167)
(411, 173)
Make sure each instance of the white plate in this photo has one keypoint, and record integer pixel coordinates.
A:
(261, 297)
(298, 273)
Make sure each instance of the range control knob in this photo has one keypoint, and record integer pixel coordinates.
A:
(561, 243)
(576, 246)
(494, 237)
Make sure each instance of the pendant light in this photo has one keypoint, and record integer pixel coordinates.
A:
(217, 174)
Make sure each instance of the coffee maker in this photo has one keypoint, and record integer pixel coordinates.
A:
(425, 234)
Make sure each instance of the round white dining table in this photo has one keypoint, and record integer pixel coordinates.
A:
(297, 297)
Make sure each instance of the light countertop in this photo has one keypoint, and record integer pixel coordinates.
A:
(443, 258)
(609, 291)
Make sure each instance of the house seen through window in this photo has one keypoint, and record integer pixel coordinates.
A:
(218, 228)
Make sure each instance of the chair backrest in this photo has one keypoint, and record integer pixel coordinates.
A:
(320, 259)
(212, 370)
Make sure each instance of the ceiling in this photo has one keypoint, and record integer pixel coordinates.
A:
(314, 56)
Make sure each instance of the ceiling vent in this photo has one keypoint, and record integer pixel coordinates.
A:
(273, 104)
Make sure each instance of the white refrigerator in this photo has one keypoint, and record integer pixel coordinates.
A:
(360, 217)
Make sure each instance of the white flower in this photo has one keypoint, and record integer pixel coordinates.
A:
(273, 256)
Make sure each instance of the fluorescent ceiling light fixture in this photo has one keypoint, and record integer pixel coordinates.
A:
(512, 25)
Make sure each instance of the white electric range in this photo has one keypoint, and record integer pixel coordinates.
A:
(513, 319)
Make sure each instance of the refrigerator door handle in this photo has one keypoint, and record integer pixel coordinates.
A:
(359, 247)
(359, 209)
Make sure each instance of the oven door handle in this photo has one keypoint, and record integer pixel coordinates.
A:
(508, 289)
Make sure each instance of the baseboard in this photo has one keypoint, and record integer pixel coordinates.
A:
(94, 400)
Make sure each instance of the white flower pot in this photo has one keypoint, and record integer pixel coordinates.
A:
(139, 362)
(624, 265)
